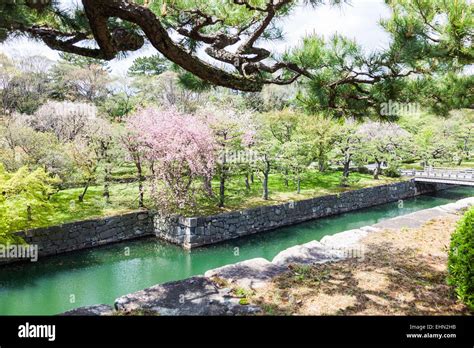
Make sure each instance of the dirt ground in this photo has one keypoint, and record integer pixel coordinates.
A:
(403, 272)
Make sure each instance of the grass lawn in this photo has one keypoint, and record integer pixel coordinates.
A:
(313, 184)
(67, 208)
(416, 166)
(124, 197)
(467, 164)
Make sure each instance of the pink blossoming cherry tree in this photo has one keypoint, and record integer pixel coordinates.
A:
(180, 148)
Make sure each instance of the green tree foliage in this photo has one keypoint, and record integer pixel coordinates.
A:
(268, 148)
(24, 199)
(347, 147)
(430, 48)
(439, 94)
(21, 145)
(149, 66)
(319, 132)
(330, 88)
(461, 259)
(275, 97)
(166, 90)
(435, 145)
(228, 128)
(98, 148)
(437, 140)
(460, 126)
(119, 105)
(23, 89)
(80, 79)
(193, 83)
(383, 143)
(122, 99)
(282, 125)
(434, 38)
(432, 34)
(295, 158)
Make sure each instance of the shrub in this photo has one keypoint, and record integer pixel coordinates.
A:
(461, 259)
(392, 172)
(347, 182)
(364, 170)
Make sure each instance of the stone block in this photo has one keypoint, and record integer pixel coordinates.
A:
(95, 310)
(251, 274)
(192, 296)
(142, 216)
(191, 222)
(309, 253)
(344, 239)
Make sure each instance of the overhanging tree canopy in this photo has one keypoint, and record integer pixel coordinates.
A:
(176, 28)
(427, 35)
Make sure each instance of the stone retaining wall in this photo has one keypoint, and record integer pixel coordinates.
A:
(199, 231)
(89, 233)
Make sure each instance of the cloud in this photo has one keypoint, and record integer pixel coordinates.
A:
(358, 20)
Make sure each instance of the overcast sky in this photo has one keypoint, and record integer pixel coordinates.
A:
(358, 20)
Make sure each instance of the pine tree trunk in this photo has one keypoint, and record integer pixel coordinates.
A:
(222, 181)
(222, 191)
(377, 170)
(266, 173)
(345, 173)
(247, 184)
(346, 170)
(107, 177)
(208, 187)
(29, 214)
(82, 195)
(321, 162)
(141, 179)
(321, 165)
(298, 184)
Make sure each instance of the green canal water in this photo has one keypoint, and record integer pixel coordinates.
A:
(59, 283)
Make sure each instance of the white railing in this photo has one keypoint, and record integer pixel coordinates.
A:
(442, 174)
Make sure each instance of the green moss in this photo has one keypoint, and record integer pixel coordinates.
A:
(244, 301)
(67, 208)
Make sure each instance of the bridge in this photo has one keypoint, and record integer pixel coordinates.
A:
(442, 175)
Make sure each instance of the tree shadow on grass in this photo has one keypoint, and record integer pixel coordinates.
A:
(387, 281)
